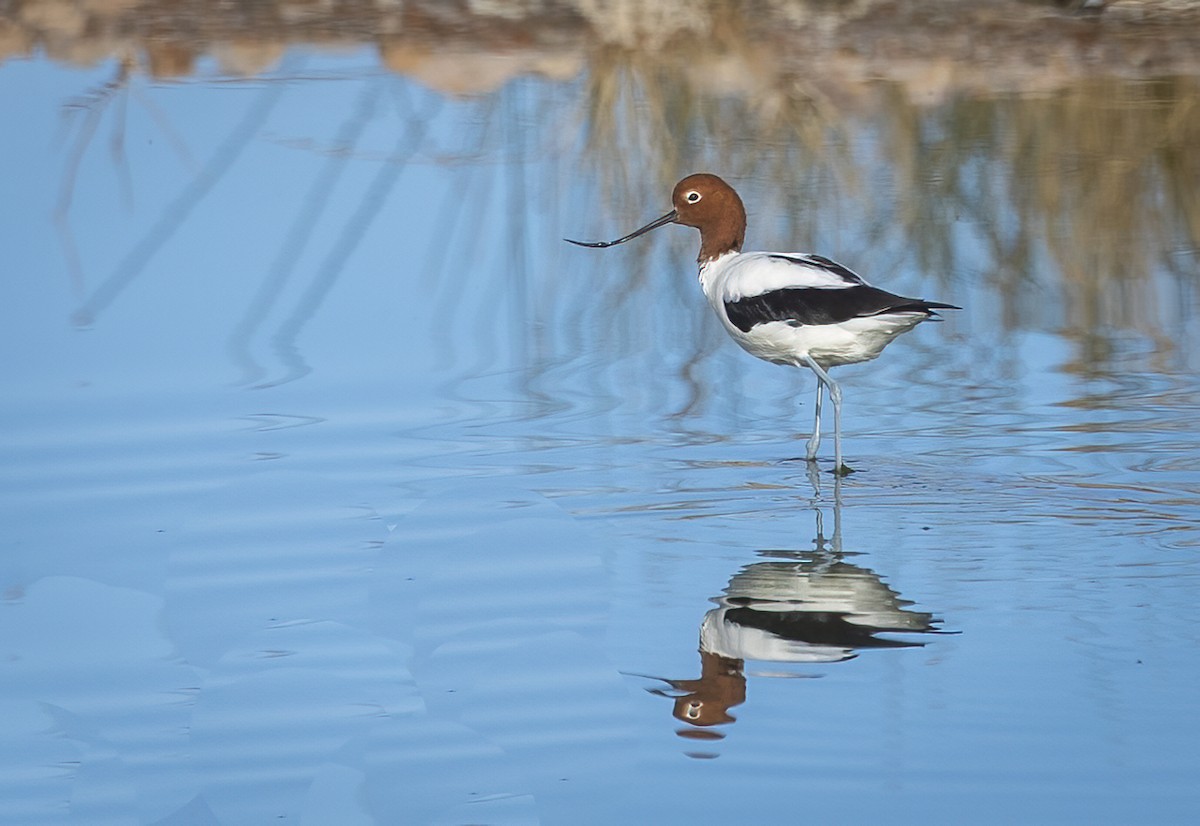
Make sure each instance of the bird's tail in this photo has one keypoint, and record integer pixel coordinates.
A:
(931, 307)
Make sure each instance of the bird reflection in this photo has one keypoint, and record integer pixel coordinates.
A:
(795, 607)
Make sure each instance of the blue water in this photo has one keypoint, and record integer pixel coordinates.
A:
(337, 488)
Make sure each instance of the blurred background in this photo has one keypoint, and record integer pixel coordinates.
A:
(337, 487)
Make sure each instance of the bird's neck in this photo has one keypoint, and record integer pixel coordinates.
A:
(722, 238)
(711, 272)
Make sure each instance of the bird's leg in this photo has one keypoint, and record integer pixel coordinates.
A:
(835, 395)
(814, 441)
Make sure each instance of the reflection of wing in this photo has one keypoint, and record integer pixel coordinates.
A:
(808, 611)
(729, 637)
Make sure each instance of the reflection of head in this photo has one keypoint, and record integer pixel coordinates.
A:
(721, 686)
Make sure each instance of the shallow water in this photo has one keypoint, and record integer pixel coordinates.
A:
(338, 488)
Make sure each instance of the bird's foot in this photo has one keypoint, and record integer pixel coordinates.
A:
(843, 470)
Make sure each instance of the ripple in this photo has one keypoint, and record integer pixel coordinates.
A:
(265, 422)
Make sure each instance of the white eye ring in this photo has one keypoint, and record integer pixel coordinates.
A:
(692, 197)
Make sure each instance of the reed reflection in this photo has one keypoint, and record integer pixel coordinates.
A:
(1065, 185)
(793, 609)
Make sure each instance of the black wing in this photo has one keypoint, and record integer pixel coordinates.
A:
(809, 306)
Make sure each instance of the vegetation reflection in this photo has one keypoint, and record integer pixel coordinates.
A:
(1077, 182)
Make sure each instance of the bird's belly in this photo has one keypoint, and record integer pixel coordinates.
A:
(830, 345)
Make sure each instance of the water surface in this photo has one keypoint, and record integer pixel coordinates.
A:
(337, 488)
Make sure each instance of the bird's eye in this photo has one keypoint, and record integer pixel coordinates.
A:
(692, 197)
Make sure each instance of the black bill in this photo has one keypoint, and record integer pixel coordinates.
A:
(669, 218)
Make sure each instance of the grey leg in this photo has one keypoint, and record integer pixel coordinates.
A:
(814, 441)
(835, 395)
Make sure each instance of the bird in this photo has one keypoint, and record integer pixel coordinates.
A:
(790, 308)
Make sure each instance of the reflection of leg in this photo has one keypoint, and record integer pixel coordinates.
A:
(814, 441)
(835, 395)
(820, 544)
(814, 479)
(837, 514)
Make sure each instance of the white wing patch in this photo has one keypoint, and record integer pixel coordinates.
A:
(754, 273)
